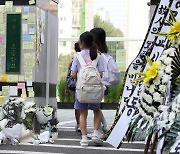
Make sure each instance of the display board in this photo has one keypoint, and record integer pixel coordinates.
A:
(13, 43)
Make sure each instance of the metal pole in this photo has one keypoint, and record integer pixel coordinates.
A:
(48, 56)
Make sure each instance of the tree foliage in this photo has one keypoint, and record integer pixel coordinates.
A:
(111, 31)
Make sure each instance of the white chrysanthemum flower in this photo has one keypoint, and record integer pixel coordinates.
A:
(165, 114)
(160, 73)
(168, 61)
(178, 99)
(174, 106)
(162, 108)
(171, 54)
(168, 69)
(163, 57)
(156, 114)
(152, 89)
(165, 79)
(172, 116)
(156, 97)
(168, 51)
(157, 81)
(149, 99)
(162, 88)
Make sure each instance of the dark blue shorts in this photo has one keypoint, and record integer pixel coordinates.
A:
(86, 106)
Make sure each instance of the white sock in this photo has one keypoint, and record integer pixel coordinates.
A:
(84, 137)
(96, 132)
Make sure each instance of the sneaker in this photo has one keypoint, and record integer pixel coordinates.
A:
(84, 142)
(77, 129)
(96, 139)
(100, 135)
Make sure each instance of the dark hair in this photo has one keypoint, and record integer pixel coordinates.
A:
(76, 47)
(88, 40)
(100, 39)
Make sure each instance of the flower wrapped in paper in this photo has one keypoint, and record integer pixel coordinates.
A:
(44, 114)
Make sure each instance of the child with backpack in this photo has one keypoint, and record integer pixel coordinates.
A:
(111, 76)
(88, 68)
(71, 85)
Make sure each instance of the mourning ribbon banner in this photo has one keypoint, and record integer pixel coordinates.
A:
(131, 92)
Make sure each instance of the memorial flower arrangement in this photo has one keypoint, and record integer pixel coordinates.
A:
(174, 33)
(17, 117)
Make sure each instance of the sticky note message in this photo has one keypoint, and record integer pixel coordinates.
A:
(5, 91)
(26, 37)
(2, 8)
(1, 39)
(13, 91)
(31, 2)
(31, 94)
(29, 83)
(21, 85)
(26, 9)
(8, 6)
(18, 9)
(4, 78)
(12, 78)
(31, 18)
(28, 45)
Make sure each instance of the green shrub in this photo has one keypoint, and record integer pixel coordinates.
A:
(61, 92)
(114, 94)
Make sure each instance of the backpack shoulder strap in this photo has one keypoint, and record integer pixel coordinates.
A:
(81, 60)
(95, 61)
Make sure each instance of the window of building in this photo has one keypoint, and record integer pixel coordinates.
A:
(75, 32)
(76, 20)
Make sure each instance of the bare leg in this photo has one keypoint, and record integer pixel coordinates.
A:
(83, 121)
(77, 115)
(97, 118)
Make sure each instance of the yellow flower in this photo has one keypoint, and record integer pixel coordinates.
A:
(151, 72)
(174, 31)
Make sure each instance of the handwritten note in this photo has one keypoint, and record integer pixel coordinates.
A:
(31, 30)
(2, 8)
(26, 37)
(31, 94)
(21, 85)
(18, 9)
(31, 18)
(31, 2)
(12, 78)
(1, 39)
(26, 9)
(13, 91)
(8, 6)
(4, 78)
(28, 45)
(29, 83)
(5, 91)
(30, 89)
(24, 16)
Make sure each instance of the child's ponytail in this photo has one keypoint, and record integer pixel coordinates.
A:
(93, 51)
